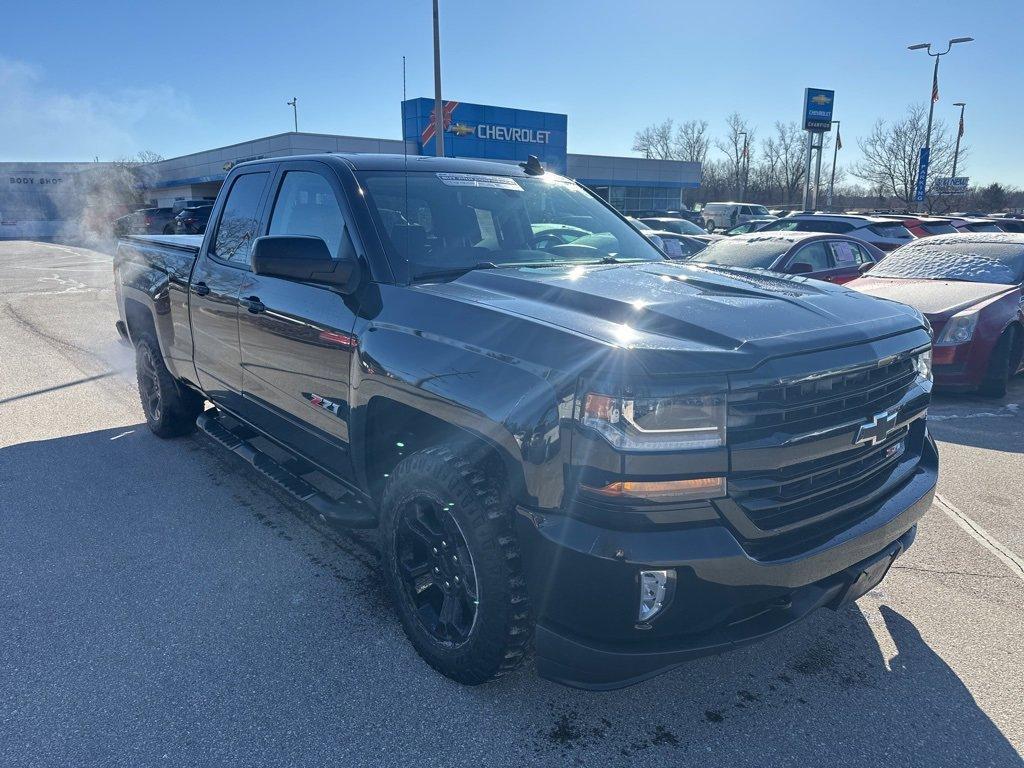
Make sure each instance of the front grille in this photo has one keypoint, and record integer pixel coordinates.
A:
(818, 403)
(797, 475)
(792, 494)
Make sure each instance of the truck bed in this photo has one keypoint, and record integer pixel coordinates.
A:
(190, 243)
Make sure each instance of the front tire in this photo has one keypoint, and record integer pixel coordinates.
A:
(1002, 365)
(452, 565)
(171, 409)
(709, 225)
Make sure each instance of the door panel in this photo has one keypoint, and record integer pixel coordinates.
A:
(296, 338)
(216, 280)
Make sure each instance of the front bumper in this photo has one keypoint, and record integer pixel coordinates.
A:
(583, 580)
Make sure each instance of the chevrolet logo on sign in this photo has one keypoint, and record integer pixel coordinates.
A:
(461, 129)
(821, 100)
(876, 430)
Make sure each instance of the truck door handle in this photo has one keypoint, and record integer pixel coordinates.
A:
(200, 289)
(253, 304)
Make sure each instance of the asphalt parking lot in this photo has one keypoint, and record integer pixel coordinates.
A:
(160, 603)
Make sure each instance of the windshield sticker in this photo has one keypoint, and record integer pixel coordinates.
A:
(479, 180)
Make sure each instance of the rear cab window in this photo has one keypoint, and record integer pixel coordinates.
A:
(240, 219)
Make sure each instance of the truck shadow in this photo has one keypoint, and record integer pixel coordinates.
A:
(822, 693)
(857, 687)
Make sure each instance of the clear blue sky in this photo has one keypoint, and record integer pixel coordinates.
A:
(107, 79)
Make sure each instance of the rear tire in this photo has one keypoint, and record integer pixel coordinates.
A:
(709, 225)
(1002, 364)
(171, 409)
(451, 562)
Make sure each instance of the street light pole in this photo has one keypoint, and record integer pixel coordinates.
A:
(438, 104)
(959, 131)
(741, 168)
(294, 104)
(835, 155)
(934, 94)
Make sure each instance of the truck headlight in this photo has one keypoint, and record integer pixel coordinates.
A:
(923, 364)
(673, 423)
(959, 329)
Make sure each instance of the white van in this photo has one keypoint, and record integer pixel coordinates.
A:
(728, 215)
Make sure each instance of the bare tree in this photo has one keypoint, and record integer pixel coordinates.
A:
(656, 141)
(891, 152)
(733, 145)
(691, 141)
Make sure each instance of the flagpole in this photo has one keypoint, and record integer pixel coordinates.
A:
(959, 133)
(835, 152)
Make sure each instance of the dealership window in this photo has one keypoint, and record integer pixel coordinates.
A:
(640, 200)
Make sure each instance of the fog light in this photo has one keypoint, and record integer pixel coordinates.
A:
(679, 490)
(655, 591)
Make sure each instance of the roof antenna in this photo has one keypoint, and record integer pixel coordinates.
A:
(405, 160)
(532, 166)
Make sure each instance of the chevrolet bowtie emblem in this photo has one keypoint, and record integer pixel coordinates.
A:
(876, 430)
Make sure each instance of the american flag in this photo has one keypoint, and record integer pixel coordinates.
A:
(935, 87)
(839, 140)
(960, 133)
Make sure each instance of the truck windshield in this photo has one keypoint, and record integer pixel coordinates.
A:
(438, 223)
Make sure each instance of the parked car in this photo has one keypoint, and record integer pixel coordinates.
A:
(670, 224)
(179, 205)
(586, 451)
(970, 287)
(832, 258)
(153, 221)
(924, 226)
(672, 244)
(884, 233)
(1009, 224)
(978, 224)
(751, 226)
(192, 221)
(728, 215)
(684, 213)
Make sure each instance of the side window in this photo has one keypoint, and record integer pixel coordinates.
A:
(815, 254)
(848, 254)
(240, 219)
(306, 205)
(746, 211)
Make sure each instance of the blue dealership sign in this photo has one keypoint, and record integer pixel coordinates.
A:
(488, 132)
(818, 109)
(922, 175)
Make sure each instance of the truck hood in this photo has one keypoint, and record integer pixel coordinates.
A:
(722, 319)
(935, 298)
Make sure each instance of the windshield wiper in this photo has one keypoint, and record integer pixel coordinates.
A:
(455, 271)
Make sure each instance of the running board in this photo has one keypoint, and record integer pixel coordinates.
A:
(338, 512)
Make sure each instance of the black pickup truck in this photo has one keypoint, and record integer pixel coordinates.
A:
(569, 445)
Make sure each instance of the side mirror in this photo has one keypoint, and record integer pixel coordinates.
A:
(800, 268)
(865, 267)
(305, 259)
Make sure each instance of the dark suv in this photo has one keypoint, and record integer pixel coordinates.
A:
(192, 221)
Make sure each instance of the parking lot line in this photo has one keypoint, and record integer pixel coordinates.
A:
(1013, 561)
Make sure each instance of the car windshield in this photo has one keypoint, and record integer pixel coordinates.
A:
(970, 262)
(759, 210)
(640, 225)
(750, 253)
(685, 227)
(446, 223)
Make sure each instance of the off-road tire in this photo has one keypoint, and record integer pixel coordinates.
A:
(171, 409)
(1002, 365)
(502, 632)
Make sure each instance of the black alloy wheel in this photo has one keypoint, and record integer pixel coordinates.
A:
(436, 568)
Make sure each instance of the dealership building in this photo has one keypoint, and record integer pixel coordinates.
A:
(631, 184)
(503, 134)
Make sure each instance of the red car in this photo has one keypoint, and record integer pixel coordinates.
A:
(925, 226)
(832, 258)
(970, 286)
